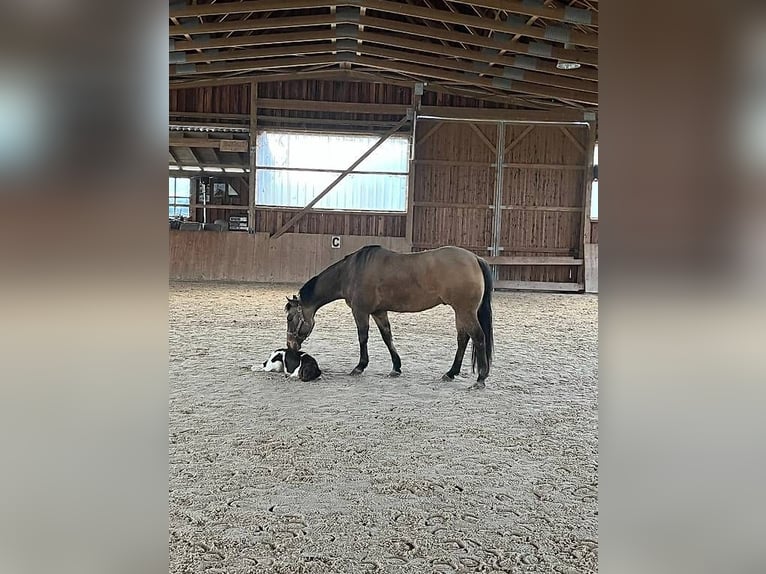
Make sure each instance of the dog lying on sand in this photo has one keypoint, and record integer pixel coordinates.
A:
(295, 364)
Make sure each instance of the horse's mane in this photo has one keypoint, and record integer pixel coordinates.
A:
(358, 257)
(306, 292)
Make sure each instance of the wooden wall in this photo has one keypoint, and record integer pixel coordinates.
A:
(237, 256)
(543, 186)
(454, 191)
(454, 186)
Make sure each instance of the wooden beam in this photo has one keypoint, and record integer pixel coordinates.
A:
(434, 68)
(568, 14)
(572, 139)
(528, 62)
(265, 52)
(483, 138)
(561, 166)
(496, 114)
(254, 40)
(539, 286)
(562, 35)
(430, 133)
(507, 78)
(337, 107)
(251, 24)
(513, 67)
(553, 208)
(228, 8)
(294, 219)
(518, 139)
(248, 65)
(466, 77)
(533, 53)
(213, 115)
(506, 260)
(543, 73)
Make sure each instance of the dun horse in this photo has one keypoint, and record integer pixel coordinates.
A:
(374, 280)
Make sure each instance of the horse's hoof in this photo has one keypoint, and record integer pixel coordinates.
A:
(448, 377)
(394, 373)
(477, 386)
(356, 372)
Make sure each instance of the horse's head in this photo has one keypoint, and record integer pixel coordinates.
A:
(299, 323)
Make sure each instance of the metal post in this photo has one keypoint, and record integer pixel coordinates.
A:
(498, 212)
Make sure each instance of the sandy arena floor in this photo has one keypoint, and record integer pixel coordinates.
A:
(372, 474)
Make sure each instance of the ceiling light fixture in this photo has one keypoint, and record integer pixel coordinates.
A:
(565, 64)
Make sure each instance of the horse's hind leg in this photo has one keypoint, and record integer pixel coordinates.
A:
(363, 330)
(462, 343)
(381, 320)
(480, 350)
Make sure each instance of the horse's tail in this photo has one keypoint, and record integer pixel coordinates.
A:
(485, 314)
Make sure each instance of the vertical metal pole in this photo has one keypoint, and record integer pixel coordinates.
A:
(251, 181)
(498, 211)
(586, 200)
(204, 186)
(417, 92)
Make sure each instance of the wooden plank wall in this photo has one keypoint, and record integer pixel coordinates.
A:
(233, 256)
(454, 186)
(591, 267)
(333, 222)
(542, 194)
(542, 197)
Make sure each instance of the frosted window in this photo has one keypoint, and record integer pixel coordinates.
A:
(298, 180)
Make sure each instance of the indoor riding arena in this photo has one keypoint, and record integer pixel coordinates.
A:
(301, 132)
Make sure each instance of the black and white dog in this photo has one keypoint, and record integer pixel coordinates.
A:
(296, 364)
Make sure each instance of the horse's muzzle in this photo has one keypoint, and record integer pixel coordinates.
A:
(294, 343)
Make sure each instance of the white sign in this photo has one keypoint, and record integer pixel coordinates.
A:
(335, 242)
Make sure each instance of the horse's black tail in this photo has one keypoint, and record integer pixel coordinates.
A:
(485, 314)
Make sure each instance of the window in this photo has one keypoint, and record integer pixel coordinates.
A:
(293, 168)
(179, 192)
(594, 192)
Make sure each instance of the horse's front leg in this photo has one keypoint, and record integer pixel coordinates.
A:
(381, 320)
(363, 330)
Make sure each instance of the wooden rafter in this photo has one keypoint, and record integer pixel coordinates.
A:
(568, 15)
(416, 11)
(537, 77)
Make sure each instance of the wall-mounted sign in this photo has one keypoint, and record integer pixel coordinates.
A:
(238, 223)
(335, 242)
(234, 145)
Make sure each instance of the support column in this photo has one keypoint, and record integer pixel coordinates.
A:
(498, 201)
(586, 201)
(251, 188)
(417, 92)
